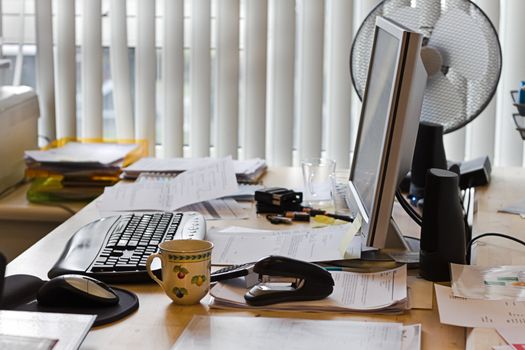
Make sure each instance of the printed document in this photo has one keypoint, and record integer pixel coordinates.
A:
(61, 331)
(262, 333)
(218, 209)
(384, 291)
(212, 180)
(478, 313)
(514, 336)
(237, 245)
(411, 339)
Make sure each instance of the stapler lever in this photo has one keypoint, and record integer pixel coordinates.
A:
(285, 279)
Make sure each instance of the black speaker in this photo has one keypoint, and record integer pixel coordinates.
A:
(443, 233)
(429, 152)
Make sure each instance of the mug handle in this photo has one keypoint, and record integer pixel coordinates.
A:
(148, 267)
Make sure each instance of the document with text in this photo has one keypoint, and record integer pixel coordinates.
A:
(237, 245)
(463, 312)
(212, 180)
(384, 291)
(515, 336)
(261, 333)
(37, 330)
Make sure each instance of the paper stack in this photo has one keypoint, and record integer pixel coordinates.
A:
(236, 333)
(209, 181)
(40, 330)
(487, 297)
(374, 292)
(246, 171)
(76, 171)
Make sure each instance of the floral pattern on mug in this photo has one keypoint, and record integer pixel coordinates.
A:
(198, 280)
(181, 271)
(180, 292)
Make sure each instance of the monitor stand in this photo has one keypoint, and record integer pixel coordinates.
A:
(404, 248)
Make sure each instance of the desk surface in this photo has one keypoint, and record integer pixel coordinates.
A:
(158, 322)
(14, 206)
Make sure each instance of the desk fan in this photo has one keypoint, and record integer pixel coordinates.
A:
(461, 53)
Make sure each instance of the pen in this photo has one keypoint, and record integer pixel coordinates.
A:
(297, 216)
(340, 217)
(314, 212)
(277, 219)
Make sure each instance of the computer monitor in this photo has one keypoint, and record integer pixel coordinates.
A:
(387, 130)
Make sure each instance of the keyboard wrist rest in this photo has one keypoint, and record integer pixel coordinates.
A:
(83, 247)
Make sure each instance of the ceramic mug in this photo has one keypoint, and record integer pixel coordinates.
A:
(186, 265)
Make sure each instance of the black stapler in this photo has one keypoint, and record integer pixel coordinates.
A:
(286, 279)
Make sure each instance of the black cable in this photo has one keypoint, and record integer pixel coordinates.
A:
(408, 208)
(495, 234)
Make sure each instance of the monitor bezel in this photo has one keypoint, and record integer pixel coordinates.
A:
(375, 225)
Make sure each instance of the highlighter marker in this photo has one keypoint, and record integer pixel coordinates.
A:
(297, 216)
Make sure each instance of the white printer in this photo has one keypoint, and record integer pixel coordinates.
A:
(18, 131)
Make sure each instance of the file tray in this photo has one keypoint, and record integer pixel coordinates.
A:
(519, 118)
(519, 106)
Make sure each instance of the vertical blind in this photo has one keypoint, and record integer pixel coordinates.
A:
(266, 78)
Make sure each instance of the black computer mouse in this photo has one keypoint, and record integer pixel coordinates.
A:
(76, 290)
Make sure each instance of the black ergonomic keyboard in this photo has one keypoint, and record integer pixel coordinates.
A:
(232, 271)
(115, 249)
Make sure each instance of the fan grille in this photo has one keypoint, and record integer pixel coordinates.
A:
(469, 47)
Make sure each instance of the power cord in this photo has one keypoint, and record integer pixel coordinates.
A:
(408, 208)
(494, 234)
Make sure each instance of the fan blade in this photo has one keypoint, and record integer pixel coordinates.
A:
(462, 44)
(443, 103)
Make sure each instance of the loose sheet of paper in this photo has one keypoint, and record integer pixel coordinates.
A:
(370, 290)
(175, 165)
(69, 329)
(411, 338)
(218, 209)
(352, 291)
(213, 180)
(515, 336)
(516, 208)
(104, 153)
(478, 313)
(241, 245)
(351, 243)
(261, 333)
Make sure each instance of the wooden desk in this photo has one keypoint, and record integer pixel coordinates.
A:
(23, 223)
(158, 322)
(507, 187)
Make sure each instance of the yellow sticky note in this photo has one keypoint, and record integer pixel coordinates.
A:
(353, 229)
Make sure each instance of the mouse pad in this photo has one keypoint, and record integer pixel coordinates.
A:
(20, 295)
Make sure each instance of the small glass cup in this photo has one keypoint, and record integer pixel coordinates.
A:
(319, 181)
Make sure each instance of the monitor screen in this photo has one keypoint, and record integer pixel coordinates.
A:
(388, 127)
(369, 148)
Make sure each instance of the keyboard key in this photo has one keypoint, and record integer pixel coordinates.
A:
(132, 239)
